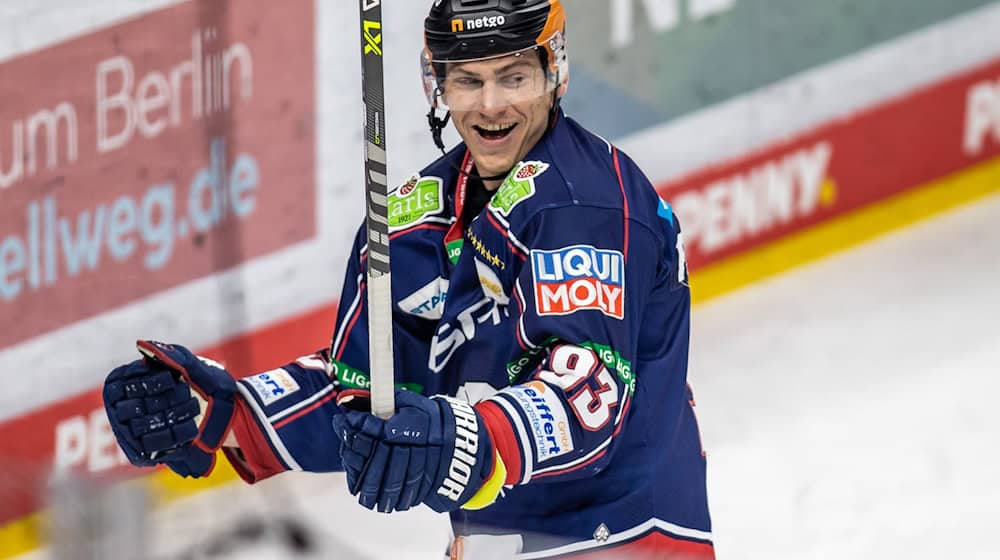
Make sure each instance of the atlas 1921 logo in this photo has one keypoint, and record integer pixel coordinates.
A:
(577, 278)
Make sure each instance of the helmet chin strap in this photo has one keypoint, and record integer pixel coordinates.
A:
(437, 125)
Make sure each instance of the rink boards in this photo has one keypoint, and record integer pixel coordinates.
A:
(794, 195)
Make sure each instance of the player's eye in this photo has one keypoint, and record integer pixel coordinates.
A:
(513, 81)
(467, 82)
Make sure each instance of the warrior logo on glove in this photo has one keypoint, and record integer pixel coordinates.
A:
(434, 451)
(466, 446)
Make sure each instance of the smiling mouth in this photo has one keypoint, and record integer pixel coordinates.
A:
(494, 131)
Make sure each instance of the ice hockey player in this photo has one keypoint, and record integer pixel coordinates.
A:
(541, 333)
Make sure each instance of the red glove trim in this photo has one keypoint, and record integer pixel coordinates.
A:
(504, 441)
(347, 395)
(258, 461)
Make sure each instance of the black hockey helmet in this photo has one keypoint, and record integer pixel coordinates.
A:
(458, 31)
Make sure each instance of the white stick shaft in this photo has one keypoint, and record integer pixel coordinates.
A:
(380, 345)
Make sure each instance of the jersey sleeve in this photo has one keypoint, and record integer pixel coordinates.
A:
(283, 418)
(580, 280)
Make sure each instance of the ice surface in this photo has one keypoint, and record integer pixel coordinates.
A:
(849, 408)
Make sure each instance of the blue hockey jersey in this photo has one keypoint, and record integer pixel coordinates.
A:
(562, 310)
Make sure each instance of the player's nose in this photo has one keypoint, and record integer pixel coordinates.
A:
(492, 99)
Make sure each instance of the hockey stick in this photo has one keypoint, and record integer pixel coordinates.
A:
(376, 187)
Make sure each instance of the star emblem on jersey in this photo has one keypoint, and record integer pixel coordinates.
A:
(484, 251)
(602, 533)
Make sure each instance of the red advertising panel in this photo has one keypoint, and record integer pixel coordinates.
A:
(151, 153)
(75, 435)
(845, 165)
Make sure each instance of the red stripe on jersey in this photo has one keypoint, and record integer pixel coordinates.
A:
(522, 340)
(285, 421)
(438, 227)
(502, 434)
(517, 252)
(513, 249)
(656, 544)
(621, 183)
(354, 319)
(573, 468)
(254, 460)
(520, 335)
(517, 298)
(496, 225)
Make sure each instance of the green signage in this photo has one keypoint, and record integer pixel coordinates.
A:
(415, 201)
(352, 378)
(518, 186)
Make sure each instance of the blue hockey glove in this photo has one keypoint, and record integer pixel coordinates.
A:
(434, 451)
(154, 416)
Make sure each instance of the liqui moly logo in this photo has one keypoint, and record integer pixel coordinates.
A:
(580, 277)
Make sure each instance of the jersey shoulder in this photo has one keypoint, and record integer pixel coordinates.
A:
(575, 170)
(425, 197)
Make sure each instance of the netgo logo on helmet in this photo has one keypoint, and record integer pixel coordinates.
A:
(579, 277)
(485, 22)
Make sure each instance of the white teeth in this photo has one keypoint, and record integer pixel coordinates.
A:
(495, 127)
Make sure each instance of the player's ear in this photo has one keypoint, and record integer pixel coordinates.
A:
(563, 77)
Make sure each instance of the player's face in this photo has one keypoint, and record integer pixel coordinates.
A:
(500, 107)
